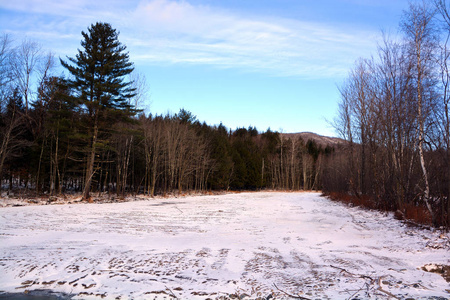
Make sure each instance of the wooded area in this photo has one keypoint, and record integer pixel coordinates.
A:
(85, 133)
(394, 112)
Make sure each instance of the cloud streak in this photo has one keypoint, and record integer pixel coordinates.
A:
(177, 32)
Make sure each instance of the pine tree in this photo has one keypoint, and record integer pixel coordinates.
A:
(99, 73)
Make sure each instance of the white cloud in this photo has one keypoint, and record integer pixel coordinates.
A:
(178, 32)
(168, 31)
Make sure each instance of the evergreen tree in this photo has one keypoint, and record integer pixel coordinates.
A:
(55, 118)
(221, 153)
(247, 159)
(99, 79)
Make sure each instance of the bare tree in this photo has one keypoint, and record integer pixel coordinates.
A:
(24, 64)
(124, 142)
(141, 88)
(420, 34)
(396, 122)
(153, 135)
(6, 53)
(444, 117)
(12, 128)
(361, 102)
(11, 116)
(343, 123)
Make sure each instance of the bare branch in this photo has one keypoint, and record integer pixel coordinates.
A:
(290, 295)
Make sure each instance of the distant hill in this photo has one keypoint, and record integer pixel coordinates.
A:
(319, 139)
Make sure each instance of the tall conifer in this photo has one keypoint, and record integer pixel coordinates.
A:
(99, 79)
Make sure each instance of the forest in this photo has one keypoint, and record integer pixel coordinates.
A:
(84, 132)
(69, 136)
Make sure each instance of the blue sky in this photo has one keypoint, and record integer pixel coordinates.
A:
(262, 63)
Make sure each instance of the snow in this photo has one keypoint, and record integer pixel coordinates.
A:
(199, 247)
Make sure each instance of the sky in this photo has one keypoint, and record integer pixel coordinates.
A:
(263, 63)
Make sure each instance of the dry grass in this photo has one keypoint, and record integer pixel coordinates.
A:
(416, 214)
(360, 201)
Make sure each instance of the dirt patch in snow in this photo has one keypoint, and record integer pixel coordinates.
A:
(442, 270)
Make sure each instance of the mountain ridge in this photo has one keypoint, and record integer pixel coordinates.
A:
(319, 139)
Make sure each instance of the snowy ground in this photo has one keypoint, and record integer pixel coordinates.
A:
(250, 245)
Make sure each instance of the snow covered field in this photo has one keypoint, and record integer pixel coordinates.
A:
(250, 245)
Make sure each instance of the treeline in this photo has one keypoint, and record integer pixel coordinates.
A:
(85, 134)
(394, 112)
(48, 153)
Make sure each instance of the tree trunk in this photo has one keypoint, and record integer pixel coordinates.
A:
(421, 133)
(38, 189)
(90, 164)
(447, 141)
(305, 172)
(5, 143)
